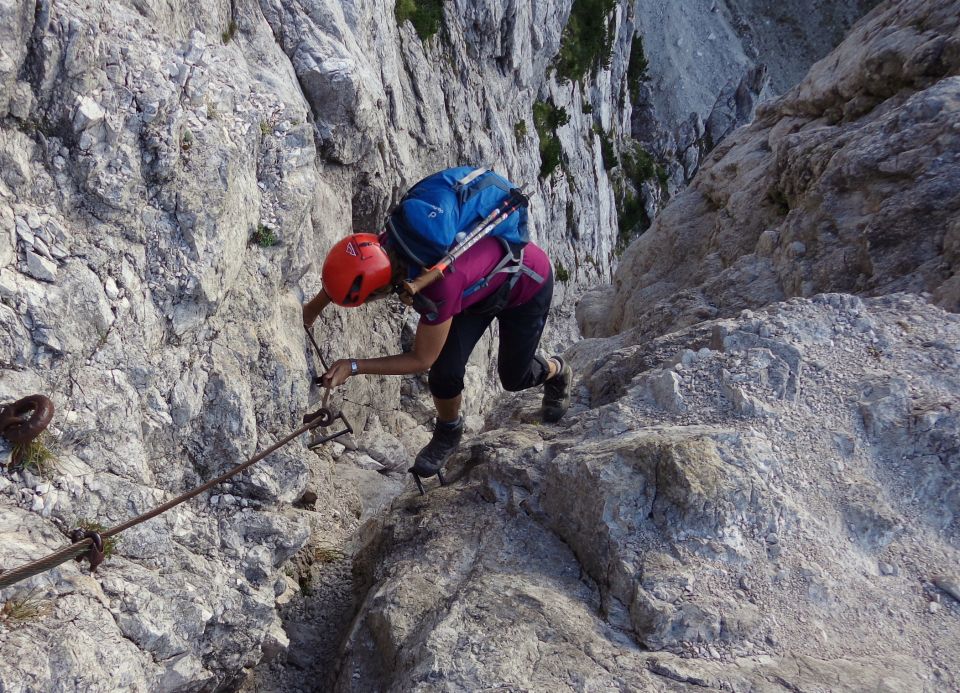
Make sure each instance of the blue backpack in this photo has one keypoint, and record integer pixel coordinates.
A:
(437, 213)
(440, 210)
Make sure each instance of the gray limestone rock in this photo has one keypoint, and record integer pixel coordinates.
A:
(802, 176)
(146, 148)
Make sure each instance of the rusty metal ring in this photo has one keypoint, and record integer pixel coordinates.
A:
(326, 417)
(95, 554)
(321, 417)
(26, 418)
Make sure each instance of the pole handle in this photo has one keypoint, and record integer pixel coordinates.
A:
(414, 286)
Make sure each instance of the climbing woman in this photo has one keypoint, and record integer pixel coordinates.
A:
(492, 279)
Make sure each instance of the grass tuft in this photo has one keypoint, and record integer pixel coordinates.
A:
(327, 554)
(109, 544)
(228, 34)
(37, 456)
(23, 609)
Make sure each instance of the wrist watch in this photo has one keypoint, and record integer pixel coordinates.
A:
(354, 368)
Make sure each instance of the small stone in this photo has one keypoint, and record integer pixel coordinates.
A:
(772, 538)
(887, 569)
(23, 231)
(42, 248)
(42, 488)
(110, 289)
(41, 268)
(33, 220)
(933, 607)
(744, 583)
(88, 113)
(8, 285)
(949, 584)
(228, 499)
(37, 505)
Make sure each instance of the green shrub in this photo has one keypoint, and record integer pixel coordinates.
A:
(637, 67)
(546, 119)
(631, 218)
(587, 40)
(264, 236)
(664, 179)
(425, 15)
(227, 36)
(586, 108)
(638, 165)
(520, 130)
(607, 151)
(265, 128)
(560, 272)
(186, 140)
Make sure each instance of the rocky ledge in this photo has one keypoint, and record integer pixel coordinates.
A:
(766, 502)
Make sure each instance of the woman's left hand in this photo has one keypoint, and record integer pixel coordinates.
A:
(338, 373)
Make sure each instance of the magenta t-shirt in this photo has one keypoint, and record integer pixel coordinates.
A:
(475, 264)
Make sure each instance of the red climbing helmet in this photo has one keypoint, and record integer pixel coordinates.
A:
(355, 267)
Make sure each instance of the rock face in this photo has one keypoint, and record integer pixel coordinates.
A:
(850, 182)
(785, 524)
(170, 175)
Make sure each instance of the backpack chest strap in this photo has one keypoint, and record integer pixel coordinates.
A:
(511, 263)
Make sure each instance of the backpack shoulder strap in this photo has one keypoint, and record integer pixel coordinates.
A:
(470, 177)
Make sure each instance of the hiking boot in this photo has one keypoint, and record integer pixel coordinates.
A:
(556, 392)
(446, 439)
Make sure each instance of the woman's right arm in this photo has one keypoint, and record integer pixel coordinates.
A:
(313, 308)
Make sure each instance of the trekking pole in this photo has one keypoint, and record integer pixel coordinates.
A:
(515, 201)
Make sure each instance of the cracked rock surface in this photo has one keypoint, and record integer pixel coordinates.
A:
(794, 543)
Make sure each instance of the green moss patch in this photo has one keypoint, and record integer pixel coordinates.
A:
(425, 15)
(264, 236)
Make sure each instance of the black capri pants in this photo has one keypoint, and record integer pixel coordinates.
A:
(518, 364)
